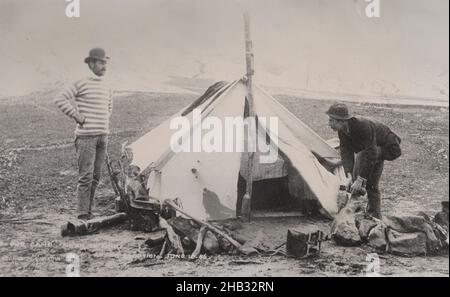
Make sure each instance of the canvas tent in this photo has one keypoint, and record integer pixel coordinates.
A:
(209, 184)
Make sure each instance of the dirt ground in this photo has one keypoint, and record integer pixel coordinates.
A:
(38, 182)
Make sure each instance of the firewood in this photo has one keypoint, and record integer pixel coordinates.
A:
(198, 247)
(184, 227)
(163, 249)
(172, 236)
(156, 238)
(79, 227)
(240, 248)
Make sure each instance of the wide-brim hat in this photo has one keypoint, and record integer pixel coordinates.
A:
(96, 54)
(339, 111)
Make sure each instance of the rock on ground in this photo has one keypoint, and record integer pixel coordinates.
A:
(343, 230)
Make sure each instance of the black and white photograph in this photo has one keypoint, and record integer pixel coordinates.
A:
(221, 139)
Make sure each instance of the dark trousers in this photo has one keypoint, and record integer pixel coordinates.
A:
(372, 186)
(91, 151)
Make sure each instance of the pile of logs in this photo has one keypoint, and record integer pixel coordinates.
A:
(183, 237)
(178, 235)
(189, 235)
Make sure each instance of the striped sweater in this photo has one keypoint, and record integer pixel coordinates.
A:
(93, 99)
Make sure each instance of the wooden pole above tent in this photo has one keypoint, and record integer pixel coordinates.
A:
(251, 137)
(248, 47)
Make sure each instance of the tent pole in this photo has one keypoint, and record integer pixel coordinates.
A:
(251, 137)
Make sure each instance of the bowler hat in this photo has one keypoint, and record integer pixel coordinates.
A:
(339, 111)
(96, 54)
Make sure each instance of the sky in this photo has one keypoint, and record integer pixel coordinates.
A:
(316, 45)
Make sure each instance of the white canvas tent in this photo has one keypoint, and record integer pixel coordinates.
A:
(206, 183)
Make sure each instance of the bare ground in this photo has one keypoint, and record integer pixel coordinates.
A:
(38, 181)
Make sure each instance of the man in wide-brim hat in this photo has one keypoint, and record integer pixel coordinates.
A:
(364, 146)
(92, 109)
